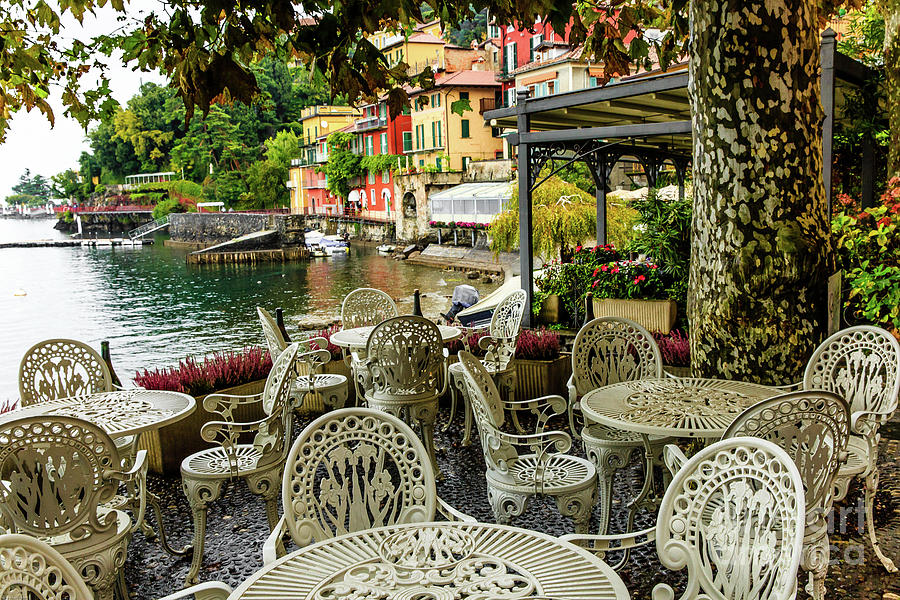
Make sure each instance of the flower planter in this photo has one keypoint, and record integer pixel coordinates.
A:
(654, 315)
(536, 378)
(167, 447)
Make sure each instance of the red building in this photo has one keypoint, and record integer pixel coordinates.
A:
(372, 196)
(523, 46)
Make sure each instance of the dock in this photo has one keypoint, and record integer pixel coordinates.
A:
(88, 243)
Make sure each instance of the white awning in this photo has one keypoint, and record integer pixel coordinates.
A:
(470, 202)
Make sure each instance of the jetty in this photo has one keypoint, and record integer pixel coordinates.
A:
(90, 243)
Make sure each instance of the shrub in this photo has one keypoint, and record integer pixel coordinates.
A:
(216, 372)
(537, 344)
(7, 405)
(168, 206)
(471, 341)
(629, 279)
(674, 347)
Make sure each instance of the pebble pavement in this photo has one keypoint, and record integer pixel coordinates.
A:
(237, 528)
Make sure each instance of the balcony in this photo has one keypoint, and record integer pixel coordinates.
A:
(486, 104)
(370, 123)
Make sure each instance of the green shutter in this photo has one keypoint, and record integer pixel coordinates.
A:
(465, 127)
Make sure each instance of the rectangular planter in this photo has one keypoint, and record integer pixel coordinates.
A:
(536, 378)
(167, 447)
(552, 310)
(654, 315)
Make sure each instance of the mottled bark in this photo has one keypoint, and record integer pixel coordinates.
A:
(890, 9)
(761, 251)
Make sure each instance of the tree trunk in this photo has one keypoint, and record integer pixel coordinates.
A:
(890, 9)
(760, 248)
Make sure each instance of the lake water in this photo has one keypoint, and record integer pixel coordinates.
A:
(155, 309)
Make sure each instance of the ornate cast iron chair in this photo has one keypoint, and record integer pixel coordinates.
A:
(309, 386)
(862, 365)
(57, 474)
(610, 350)
(259, 463)
(407, 363)
(500, 348)
(355, 469)
(813, 428)
(60, 368)
(364, 307)
(733, 515)
(33, 569)
(512, 478)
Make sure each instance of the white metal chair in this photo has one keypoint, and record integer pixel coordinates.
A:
(407, 363)
(259, 463)
(500, 348)
(355, 469)
(512, 478)
(309, 385)
(60, 368)
(813, 428)
(32, 569)
(734, 516)
(57, 473)
(610, 350)
(364, 307)
(862, 365)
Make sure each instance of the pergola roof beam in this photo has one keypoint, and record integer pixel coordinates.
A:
(612, 131)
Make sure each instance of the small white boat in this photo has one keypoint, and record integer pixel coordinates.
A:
(481, 312)
(322, 245)
(386, 248)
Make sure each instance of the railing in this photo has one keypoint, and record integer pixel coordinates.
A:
(115, 208)
(375, 122)
(149, 227)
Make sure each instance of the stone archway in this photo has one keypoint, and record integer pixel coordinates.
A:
(409, 205)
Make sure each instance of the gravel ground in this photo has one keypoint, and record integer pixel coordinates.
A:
(237, 528)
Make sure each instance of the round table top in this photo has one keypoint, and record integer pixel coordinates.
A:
(358, 337)
(679, 407)
(436, 560)
(119, 413)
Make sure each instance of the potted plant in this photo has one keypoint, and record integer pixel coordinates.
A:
(540, 367)
(676, 352)
(635, 290)
(239, 373)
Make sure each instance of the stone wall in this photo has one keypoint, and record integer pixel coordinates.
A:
(215, 228)
(105, 225)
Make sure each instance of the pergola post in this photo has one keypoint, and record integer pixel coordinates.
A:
(867, 172)
(526, 248)
(600, 181)
(827, 55)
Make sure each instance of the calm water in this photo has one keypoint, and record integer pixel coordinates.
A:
(155, 310)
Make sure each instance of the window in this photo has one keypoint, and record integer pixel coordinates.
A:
(493, 31)
(384, 143)
(371, 177)
(418, 139)
(433, 134)
(464, 95)
(385, 176)
(382, 111)
(593, 82)
(509, 57)
(370, 150)
(465, 162)
(439, 134)
(495, 132)
(421, 162)
(464, 125)
(407, 141)
(535, 41)
(437, 163)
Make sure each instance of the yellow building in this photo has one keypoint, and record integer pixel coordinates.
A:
(317, 123)
(444, 140)
(419, 50)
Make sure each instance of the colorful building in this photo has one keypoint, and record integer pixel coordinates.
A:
(307, 187)
(443, 140)
(523, 46)
(378, 133)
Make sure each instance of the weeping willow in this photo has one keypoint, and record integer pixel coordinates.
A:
(563, 216)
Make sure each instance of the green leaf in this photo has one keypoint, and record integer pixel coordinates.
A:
(459, 107)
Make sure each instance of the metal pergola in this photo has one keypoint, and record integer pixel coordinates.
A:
(647, 117)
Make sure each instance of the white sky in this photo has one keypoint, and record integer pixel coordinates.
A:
(30, 141)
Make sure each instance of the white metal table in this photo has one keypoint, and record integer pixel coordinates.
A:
(434, 561)
(119, 413)
(671, 407)
(358, 337)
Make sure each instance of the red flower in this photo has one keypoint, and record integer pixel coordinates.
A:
(884, 221)
(862, 215)
(615, 269)
(577, 248)
(654, 266)
(639, 279)
(595, 272)
(596, 281)
(604, 268)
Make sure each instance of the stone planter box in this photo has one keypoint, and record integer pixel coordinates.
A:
(167, 447)
(654, 315)
(536, 378)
